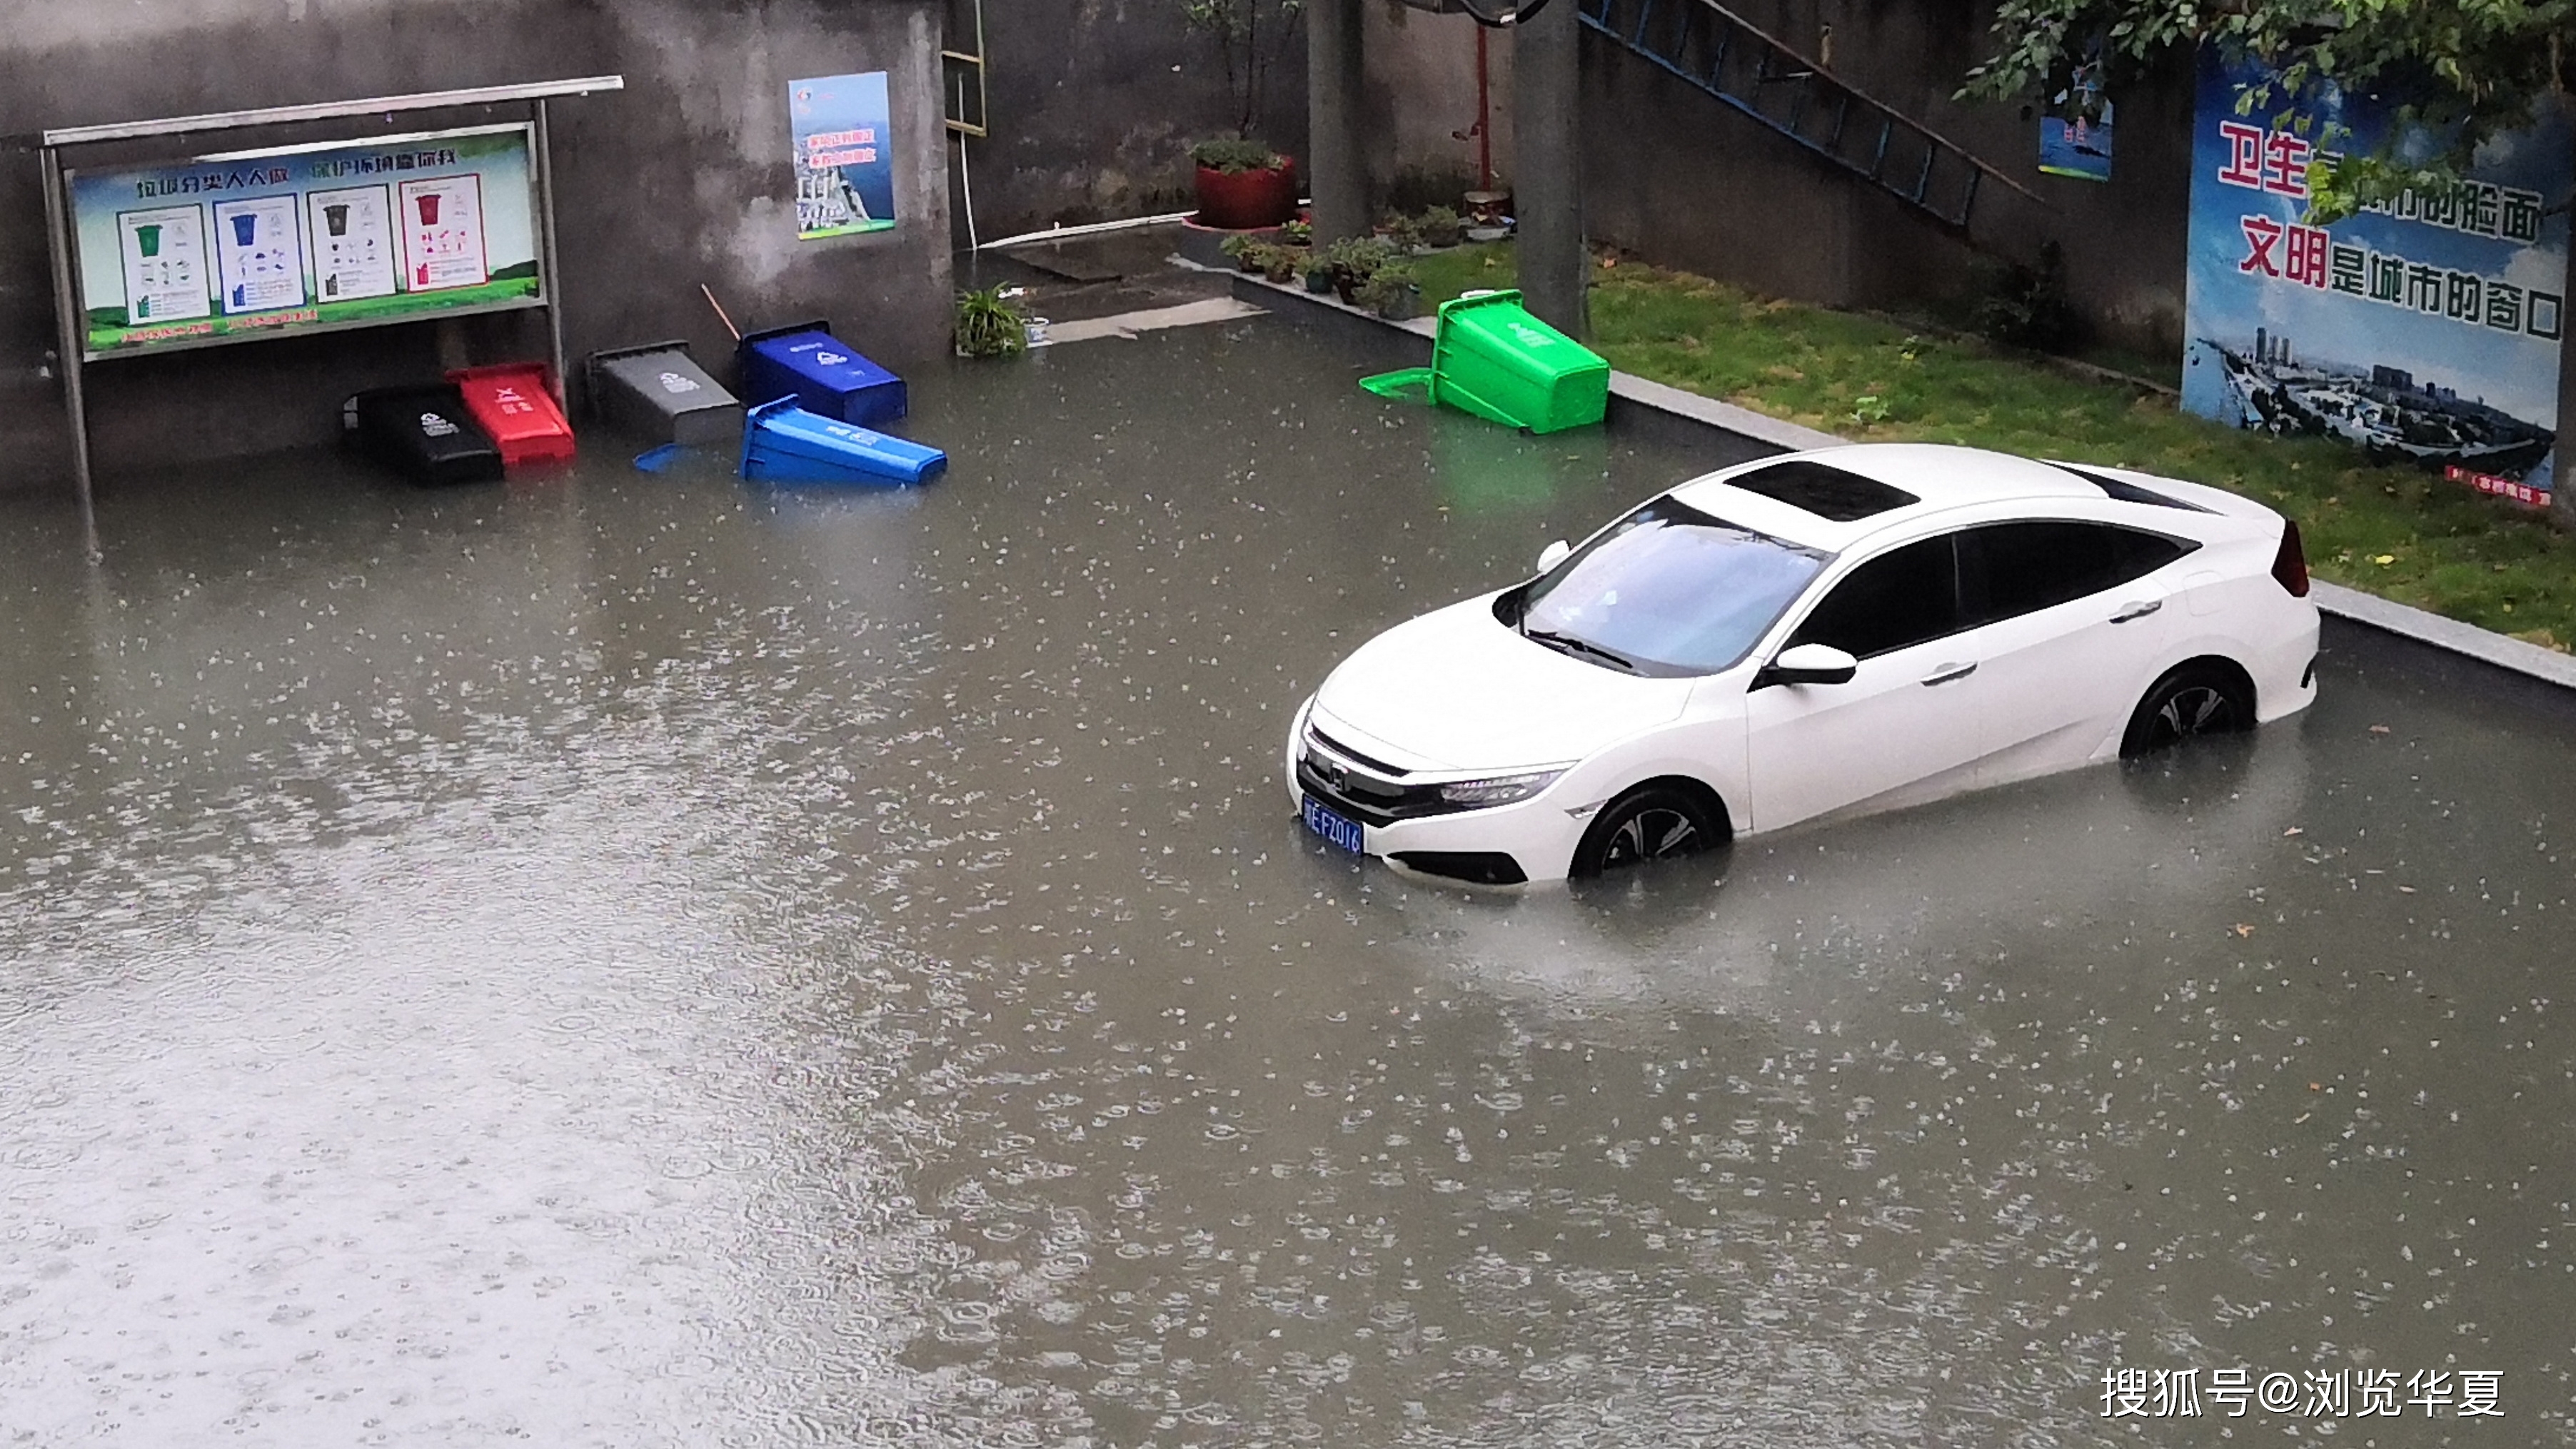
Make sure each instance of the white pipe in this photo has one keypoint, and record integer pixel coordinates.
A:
(967, 179)
(1095, 228)
(1089, 228)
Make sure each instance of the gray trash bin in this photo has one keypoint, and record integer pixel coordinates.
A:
(659, 392)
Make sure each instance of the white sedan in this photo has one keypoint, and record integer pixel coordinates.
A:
(1817, 635)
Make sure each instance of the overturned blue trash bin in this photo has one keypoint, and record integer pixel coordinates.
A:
(784, 443)
(824, 374)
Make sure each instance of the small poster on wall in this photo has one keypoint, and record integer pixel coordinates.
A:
(164, 252)
(353, 242)
(2424, 330)
(2075, 126)
(443, 232)
(257, 255)
(840, 127)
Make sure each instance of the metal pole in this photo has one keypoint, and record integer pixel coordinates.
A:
(69, 314)
(1547, 166)
(2562, 470)
(546, 240)
(1335, 83)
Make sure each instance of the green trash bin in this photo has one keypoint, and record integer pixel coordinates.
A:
(1492, 358)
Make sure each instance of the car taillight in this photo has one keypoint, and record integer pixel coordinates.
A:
(2290, 565)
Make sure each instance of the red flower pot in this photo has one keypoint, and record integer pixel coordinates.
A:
(1244, 200)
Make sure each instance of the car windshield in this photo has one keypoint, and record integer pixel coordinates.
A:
(1669, 590)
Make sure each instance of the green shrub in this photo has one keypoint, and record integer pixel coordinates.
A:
(988, 326)
(1234, 154)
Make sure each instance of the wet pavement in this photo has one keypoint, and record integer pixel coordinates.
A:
(641, 960)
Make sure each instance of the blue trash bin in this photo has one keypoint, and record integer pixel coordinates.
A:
(784, 443)
(824, 374)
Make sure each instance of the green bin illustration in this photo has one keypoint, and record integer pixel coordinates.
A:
(1492, 358)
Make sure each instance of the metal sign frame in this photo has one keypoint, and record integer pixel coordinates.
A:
(543, 297)
(72, 352)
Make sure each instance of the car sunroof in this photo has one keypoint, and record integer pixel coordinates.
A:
(1824, 491)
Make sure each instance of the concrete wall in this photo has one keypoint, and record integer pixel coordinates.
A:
(682, 178)
(1421, 103)
(1095, 104)
(1683, 180)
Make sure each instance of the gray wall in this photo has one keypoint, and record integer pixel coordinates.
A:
(682, 178)
(1682, 180)
(1095, 104)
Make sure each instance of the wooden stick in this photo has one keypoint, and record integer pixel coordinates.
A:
(709, 293)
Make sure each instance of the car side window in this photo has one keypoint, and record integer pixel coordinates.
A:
(1903, 597)
(2011, 569)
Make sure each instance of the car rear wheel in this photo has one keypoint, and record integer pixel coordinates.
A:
(2194, 700)
(1652, 822)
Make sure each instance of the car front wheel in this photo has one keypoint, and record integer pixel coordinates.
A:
(2194, 700)
(1652, 822)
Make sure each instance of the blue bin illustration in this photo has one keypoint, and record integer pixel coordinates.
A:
(784, 443)
(824, 374)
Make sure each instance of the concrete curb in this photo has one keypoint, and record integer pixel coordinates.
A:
(2420, 626)
(2369, 611)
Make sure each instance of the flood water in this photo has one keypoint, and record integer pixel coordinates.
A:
(639, 960)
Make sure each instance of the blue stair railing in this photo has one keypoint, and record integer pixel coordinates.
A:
(1721, 53)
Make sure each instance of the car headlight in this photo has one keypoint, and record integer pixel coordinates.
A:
(1497, 789)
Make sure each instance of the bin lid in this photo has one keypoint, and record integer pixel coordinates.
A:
(512, 400)
(820, 356)
(665, 372)
(793, 430)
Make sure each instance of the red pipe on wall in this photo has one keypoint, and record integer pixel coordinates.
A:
(1484, 121)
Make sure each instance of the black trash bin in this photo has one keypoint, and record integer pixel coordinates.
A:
(422, 432)
(659, 392)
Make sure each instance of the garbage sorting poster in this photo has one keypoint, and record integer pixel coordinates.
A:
(841, 128)
(2425, 330)
(300, 239)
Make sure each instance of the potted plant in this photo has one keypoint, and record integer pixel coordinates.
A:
(1297, 231)
(1281, 263)
(1390, 292)
(988, 326)
(1355, 259)
(1441, 227)
(1241, 182)
(1243, 185)
(1318, 269)
(1240, 249)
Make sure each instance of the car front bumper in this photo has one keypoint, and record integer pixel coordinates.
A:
(1526, 840)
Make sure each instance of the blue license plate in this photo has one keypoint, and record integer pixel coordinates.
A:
(1335, 830)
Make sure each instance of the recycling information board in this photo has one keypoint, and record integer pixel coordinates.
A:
(256, 244)
(2424, 330)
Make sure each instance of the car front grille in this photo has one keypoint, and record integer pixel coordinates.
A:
(1366, 789)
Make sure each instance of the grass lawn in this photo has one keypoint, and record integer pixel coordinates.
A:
(2397, 532)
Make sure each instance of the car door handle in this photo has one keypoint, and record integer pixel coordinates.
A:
(2137, 610)
(1948, 672)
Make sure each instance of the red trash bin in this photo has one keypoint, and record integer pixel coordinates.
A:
(515, 403)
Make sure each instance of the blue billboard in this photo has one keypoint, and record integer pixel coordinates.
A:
(2423, 330)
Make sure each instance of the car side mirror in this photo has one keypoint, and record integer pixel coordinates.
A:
(1554, 554)
(1808, 664)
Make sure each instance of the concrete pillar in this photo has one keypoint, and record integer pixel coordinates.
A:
(1547, 165)
(1337, 172)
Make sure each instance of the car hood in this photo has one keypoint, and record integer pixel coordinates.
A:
(1459, 690)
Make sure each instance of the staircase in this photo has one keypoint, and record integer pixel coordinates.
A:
(1712, 48)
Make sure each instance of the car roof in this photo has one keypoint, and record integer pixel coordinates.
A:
(1939, 477)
